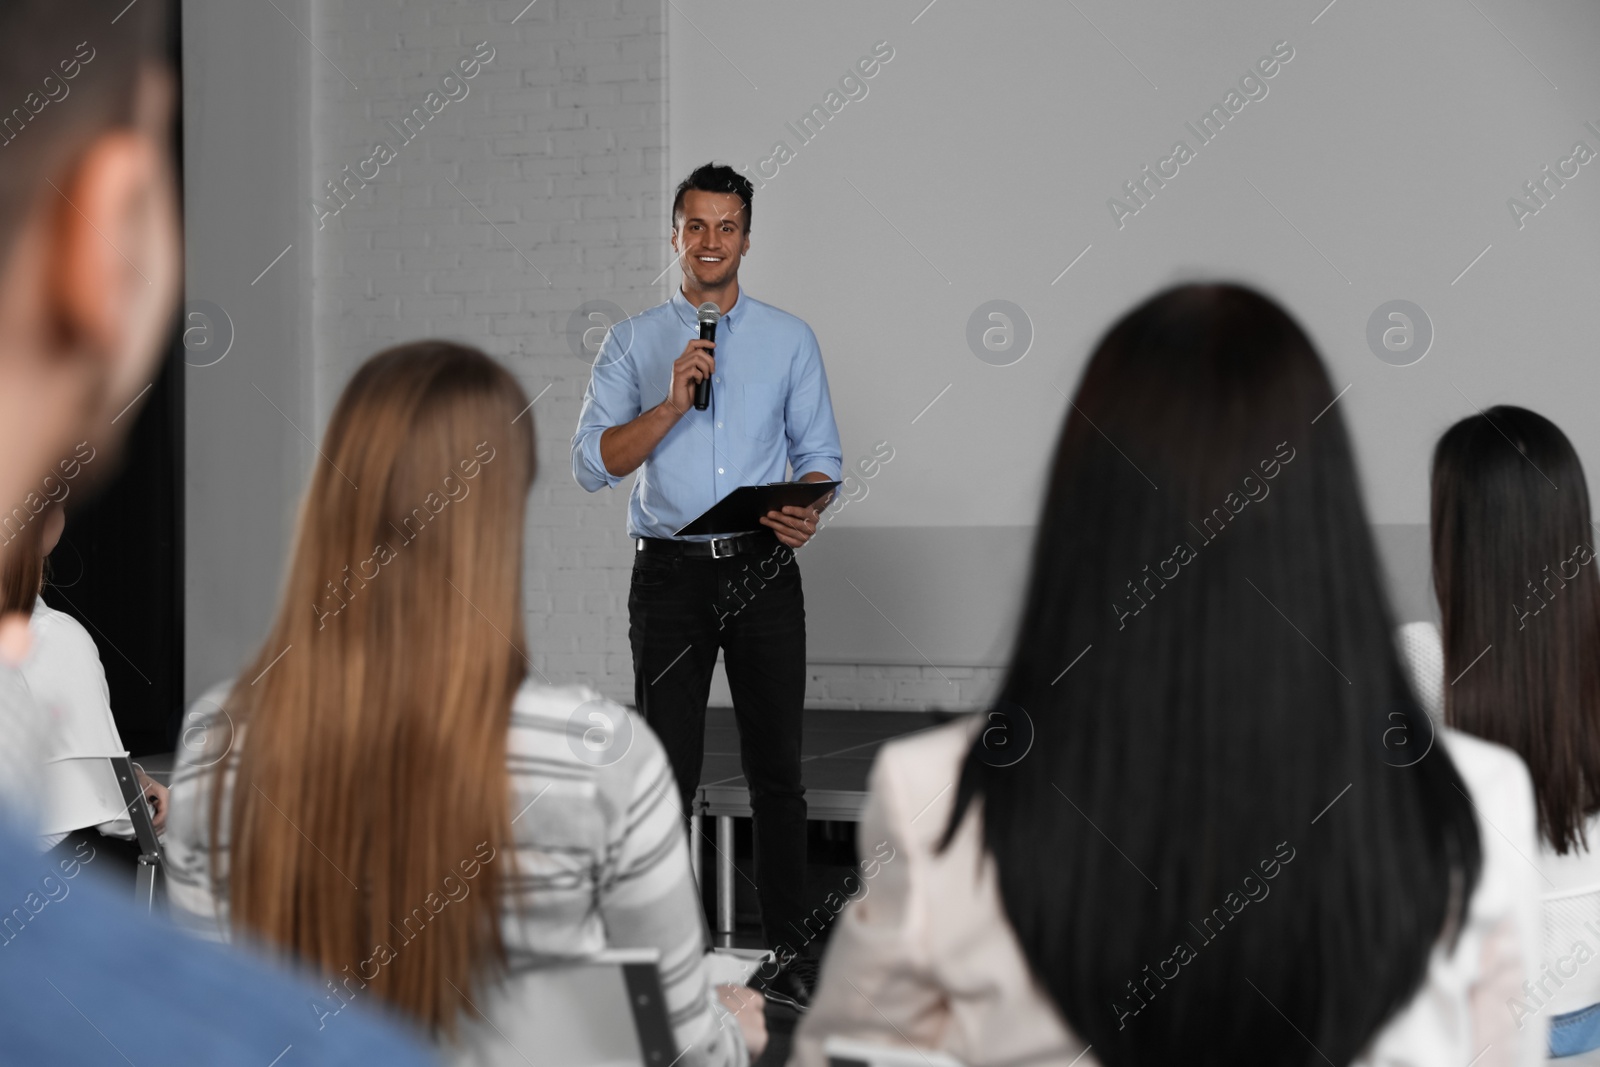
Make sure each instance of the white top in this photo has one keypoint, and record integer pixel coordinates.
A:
(925, 955)
(25, 731)
(1570, 884)
(63, 672)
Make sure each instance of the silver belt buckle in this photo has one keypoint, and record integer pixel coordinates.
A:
(716, 549)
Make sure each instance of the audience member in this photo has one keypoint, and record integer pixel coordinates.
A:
(89, 257)
(68, 685)
(1514, 570)
(85, 977)
(89, 260)
(360, 821)
(1179, 837)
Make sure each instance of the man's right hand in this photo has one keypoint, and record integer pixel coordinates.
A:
(623, 448)
(695, 365)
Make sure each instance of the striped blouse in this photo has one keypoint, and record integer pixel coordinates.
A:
(601, 854)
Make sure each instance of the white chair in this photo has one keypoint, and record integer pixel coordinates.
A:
(1424, 659)
(734, 966)
(608, 1011)
(844, 1052)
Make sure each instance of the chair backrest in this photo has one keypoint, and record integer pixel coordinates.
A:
(565, 1014)
(144, 827)
(1424, 659)
(1571, 919)
(152, 861)
(844, 1052)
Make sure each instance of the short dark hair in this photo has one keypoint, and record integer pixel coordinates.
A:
(1504, 536)
(1203, 737)
(715, 178)
(40, 42)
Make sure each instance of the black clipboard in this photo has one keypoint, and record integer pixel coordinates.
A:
(741, 510)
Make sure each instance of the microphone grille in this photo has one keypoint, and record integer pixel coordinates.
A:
(710, 313)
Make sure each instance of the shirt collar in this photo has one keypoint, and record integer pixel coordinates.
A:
(691, 318)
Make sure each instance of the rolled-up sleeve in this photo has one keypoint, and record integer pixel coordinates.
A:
(813, 434)
(611, 399)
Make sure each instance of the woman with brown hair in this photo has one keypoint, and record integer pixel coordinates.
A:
(382, 756)
(1514, 570)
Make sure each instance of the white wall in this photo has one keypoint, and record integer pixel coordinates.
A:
(560, 143)
(982, 159)
(247, 148)
(978, 164)
(558, 146)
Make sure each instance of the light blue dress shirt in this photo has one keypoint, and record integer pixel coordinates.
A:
(770, 410)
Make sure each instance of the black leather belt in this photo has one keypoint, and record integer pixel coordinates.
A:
(717, 548)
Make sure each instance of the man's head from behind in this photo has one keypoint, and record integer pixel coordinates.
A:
(89, 237)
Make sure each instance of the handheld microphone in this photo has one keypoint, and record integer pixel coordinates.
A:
(709, 314)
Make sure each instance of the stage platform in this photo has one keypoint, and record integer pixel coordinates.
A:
(837, 750)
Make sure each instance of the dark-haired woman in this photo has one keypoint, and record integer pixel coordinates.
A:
(1514, 570)
(1187, 834)
(80, 794)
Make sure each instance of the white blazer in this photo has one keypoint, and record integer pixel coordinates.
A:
(925, 956)
(1569, 886)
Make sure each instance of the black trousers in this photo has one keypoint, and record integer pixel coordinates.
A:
(681, 610)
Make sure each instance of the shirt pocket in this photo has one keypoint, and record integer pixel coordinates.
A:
(760, 416)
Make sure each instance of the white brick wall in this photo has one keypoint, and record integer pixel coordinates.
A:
(560, 144)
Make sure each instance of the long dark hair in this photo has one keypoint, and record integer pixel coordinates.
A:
(1217, 838)
(1514, 568)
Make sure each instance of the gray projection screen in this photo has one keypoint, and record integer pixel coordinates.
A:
(1027, 153)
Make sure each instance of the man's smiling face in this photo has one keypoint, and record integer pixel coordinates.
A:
(710, 237)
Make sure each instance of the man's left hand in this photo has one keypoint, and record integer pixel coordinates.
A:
(794, 526)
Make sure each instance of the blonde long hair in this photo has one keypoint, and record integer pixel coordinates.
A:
(371, 760)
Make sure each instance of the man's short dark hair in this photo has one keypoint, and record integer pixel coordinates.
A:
(53, 100)
(715, 178)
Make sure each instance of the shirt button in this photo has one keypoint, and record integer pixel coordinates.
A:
(719, 425)
(716, 377)
(719, 470)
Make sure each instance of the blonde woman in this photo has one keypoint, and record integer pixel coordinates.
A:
(401, 805)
